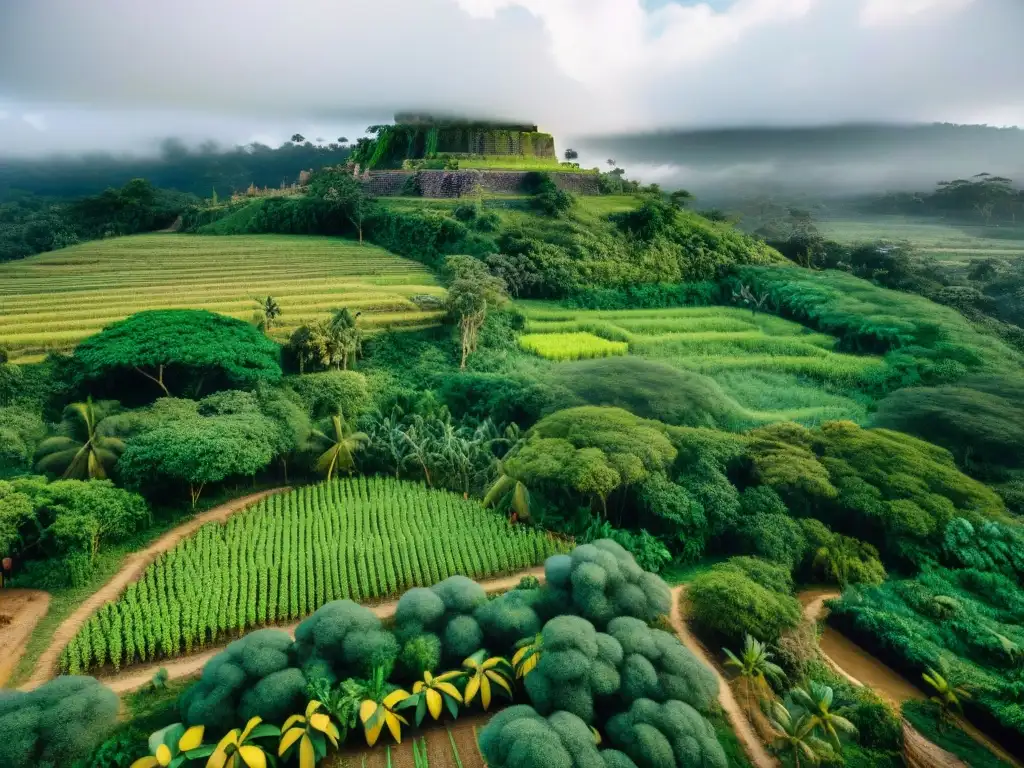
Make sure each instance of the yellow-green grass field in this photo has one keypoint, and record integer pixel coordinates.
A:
(571, 346)
(54, 300)
(956, 245)
(768, 369)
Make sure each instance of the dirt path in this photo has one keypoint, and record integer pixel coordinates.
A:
(132, 570)
(752, 745)
(136, 677)
(20, 611)
(859, 667)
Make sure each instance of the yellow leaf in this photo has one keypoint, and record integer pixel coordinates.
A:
(192, 738)
(218, 759)
(530, 664)
(471, 663)
(485, 692)
(450, 689)
(333, 735)
(366, 710)
(434, 703)
(394, 697)
(417, 686)
(307, 755)
(394, 726)
(449, 676)
(500, 680)
(312, 707)
(163, 755)
(291, 721)
(233, 761)
(373, 728)
(248, 729)
(520, 653)
(145, 762)
(289, 738)
(471, 688)
(253, 757)
(320, 721)
(428, 677)
(492, 662)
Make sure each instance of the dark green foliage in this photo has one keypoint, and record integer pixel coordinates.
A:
(739, 598)
(649, 551)
(548, 199)
(652, 218)
(679, 516)
(992, 547)
(982, 428)
(967, 621)
(512, 616)
(253, 676)
(925, 717)
(602, 581)
(179, 350)
(329, 392)
(665, 736)
(655, 665)
(518, 737)
(501, 398)
(444, 610)
(56, 723)
(647, 296)
(577, 666)
(420, 654)
(777, 538)
(649, 389)
(343, 639)
(21, 430)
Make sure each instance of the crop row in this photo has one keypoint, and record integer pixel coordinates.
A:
(363, 538)
(571, 346)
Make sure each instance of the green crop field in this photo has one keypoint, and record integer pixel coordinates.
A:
(571, 346)
(54, 300)
(362, 538)
(768, 369)
(953, 244)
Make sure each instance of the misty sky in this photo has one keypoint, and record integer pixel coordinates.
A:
(122, 74)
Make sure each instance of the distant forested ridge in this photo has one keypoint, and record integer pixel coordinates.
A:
(197, 171)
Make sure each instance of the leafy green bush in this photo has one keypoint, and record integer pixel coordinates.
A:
(55, 724)
(729, 602)
(444, 610)
(343, 639)
(518, 737)
(329, 392)
(673, 733)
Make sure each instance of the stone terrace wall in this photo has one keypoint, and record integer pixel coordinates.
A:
(440, 184)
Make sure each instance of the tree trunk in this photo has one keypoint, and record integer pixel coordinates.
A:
(158, 379)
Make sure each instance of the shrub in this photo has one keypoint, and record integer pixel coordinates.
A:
(669, 734)
(253, 676)
(602, 581)
(55, 724)
(518, 737)
(727, 604)
(420, 654)
(328, 392)
(776, 538)
(343, 639)
(511, 617)
(577, 665)
(446, 611)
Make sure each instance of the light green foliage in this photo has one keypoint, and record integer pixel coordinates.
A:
(420, 654)
(518, 737)
(571, 346)
(343, 639)
(360, 538)
(308, 276)
(55, 724)
(577, 665)
(328, 392)
(669, 735)
(843, 559)
(967, 622)
(602, 581)
(179, 347)
(655, 665)
(252, 677)
(730, 601)
(444, 610)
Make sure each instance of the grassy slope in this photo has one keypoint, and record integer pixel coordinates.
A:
(53, 300)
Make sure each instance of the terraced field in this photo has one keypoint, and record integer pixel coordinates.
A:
(54, 300)
(767, 368)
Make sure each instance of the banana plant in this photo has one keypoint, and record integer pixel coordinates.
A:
(172, 746)
(311, 732)
(528, 656)
(379, 709)
(431, 693)
(238, 749)
(482, 673)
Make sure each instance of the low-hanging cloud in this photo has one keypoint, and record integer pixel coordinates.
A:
(575, 66)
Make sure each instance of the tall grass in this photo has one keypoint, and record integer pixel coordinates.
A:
(571, 346)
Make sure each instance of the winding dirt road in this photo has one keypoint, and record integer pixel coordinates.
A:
(133, 568)
(860, 668)
(20, 611)
(752, 745)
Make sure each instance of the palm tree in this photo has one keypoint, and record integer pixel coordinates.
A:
(948, 695)
(83, 449)
(270, 311)
(349, 337)
(755, 669)
(795, 734)
(343, 444)
(816, 698)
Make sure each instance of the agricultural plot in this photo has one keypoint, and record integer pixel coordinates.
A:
(767, 368)
(571, 346)
(54, 300)
(361, 538)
